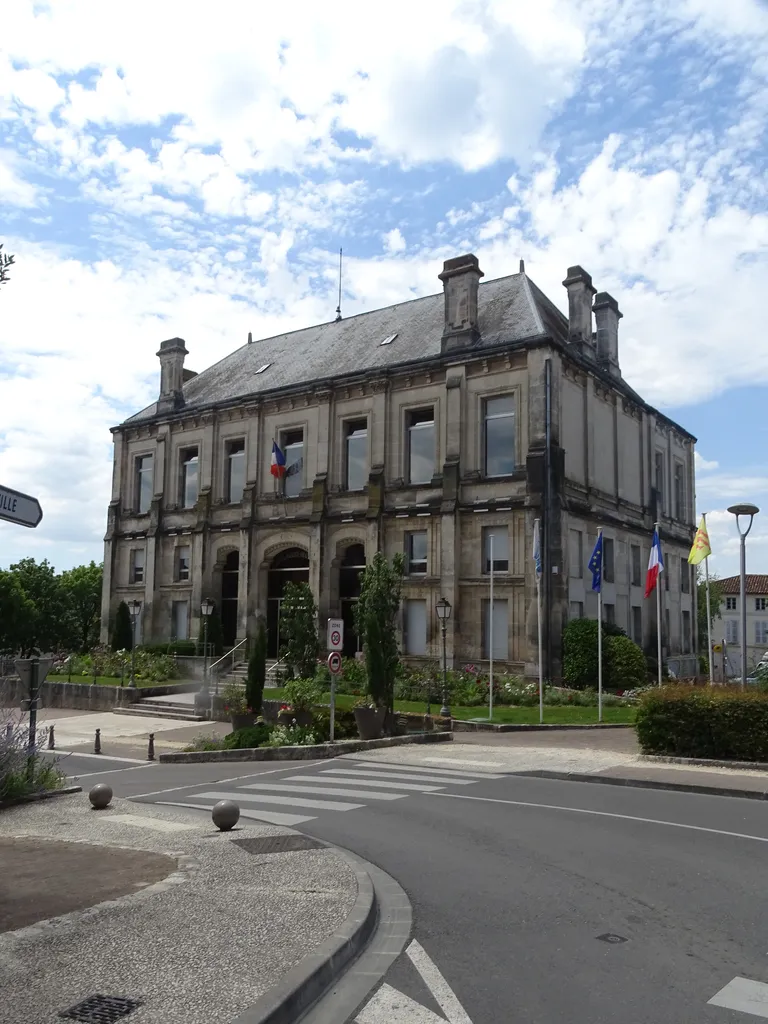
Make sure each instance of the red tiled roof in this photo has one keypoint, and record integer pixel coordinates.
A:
(757, 585)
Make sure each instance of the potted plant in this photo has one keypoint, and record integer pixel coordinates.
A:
(236, 706)
(369, 718)
(301, 696)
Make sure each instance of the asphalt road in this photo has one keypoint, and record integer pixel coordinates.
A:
(547, 902)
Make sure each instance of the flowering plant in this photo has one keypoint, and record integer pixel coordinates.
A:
(235, 701)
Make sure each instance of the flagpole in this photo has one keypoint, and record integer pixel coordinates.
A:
(600, 633)
(536, 527)
(709, 613)
(658, 609)
(490, 634)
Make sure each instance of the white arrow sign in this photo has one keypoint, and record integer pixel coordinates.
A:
(389, 1006)
(19, 508)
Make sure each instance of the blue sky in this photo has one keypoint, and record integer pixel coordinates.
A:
(163, 173)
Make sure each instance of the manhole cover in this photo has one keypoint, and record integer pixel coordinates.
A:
(100, 1009)
(278, 844)
(611, 938)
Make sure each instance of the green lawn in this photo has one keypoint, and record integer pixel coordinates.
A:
(102, 680)
(501, 716)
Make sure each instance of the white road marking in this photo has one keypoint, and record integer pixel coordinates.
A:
(389, 1006)
(155, 824)
(110, 771)
(237, 778)
(743, 995)
(372, 779)
(285, 787)
(414, 775)
(101, 757)
(602, 814)
(446, 773)
(461, 760)
(270, 817)
(437, 985)
(288, 801)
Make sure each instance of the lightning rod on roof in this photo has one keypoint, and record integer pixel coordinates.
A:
(338, 308)
(250, 338)
(522, 266)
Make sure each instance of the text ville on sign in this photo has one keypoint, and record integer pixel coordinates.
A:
(22, 509)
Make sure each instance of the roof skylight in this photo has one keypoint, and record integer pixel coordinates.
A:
(261, 369)
(390, 339)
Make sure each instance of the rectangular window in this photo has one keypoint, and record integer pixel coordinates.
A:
(761, 633)
(235, 470)
(415, 627)
(685, 576)
(731, 631)
(498, 538)
(137, 566)
(637, 577)
(686, 632)
(500, 633)
(576, 568)
(576, 610)
(180, 620)
(637, 624)
(608, 560)
(609, 614)
(183, 557)
(730, 604)
(190, 465)
(679, 491)
(666, 574)
(761, 603)
(500, 436)
(292, 444)
(420, 428)
(658, 479)
(416, 553)
(356, 455)
(667, 636)
(144, 487)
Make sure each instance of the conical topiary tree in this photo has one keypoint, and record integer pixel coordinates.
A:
(298, 629)
(122, 634)
(257, 671)
(376, 625)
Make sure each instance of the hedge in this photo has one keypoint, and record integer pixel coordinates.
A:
(723, 723)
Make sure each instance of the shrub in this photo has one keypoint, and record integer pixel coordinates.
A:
(580, 652)
(624, 662)
(122, 634)
(253, 736)
(292, 736)
(257, 671)
(376, 625)
(302, 694)
(205, 743)
(298, 627)
(714, 722)
(101, 661)
(345, 726)
(22, 774)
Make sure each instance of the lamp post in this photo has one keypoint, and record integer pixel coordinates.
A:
(443, 610)
(751, 511)
(207, 610)
(134, 608)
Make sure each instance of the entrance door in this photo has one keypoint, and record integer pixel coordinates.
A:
(229, 581)
(291, 566)
(352, 565)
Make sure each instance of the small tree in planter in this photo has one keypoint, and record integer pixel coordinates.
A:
(298, 628)
(257, 671)
(122, 635)
(376, 625)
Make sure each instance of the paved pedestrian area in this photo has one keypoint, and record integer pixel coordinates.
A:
(197, 947)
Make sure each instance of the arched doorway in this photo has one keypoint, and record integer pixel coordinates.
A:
(352, 565)
(289, 566)
(229, 583)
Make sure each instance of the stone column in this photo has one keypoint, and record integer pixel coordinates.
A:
(242, 582)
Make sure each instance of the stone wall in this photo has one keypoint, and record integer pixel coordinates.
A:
(82, 696)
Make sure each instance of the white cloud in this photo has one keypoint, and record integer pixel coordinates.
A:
(702, 465)
(14, 190)
(394, 241)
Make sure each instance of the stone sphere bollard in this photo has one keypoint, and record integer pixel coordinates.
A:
(100, 796)
(225, 814)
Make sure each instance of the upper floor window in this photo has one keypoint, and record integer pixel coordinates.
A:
(685, 576)
(420, 429)
(761, 633)
(500, 436)
(730, 604)
(235, 470)
(293, 449)
(609, 614)
(761, 603)
(658, 479)
(356, 454)
(144, 487)
(496, 543)
(636, 565)
(190, 464)
(576, 555)
(183, 558)
(416, 552)
(609, 571)
(731, 631)
(679, 491)
(136, 571)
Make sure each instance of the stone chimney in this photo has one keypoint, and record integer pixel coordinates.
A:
(171, 355)
(607, 316)
(580, 292)
(460, 277)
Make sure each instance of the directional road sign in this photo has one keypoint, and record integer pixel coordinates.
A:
(19, 508)
(335, 634)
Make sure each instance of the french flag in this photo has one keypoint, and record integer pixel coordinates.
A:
(277, 462)
(655, 565)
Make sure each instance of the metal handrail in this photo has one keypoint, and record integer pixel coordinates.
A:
(229, 654)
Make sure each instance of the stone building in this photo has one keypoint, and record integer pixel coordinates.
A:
(435, 427)
(726, 631)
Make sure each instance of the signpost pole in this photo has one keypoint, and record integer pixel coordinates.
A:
(333, 707)
(34, 676)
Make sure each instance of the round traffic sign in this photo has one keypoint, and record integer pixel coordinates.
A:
(334, 663)
(335, 637)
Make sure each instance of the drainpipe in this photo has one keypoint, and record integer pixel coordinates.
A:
(547, 566)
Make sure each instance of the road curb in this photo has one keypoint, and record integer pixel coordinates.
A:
(617, 780)
(461, 726)
(760, 766)
(313, 753)
(311, 978)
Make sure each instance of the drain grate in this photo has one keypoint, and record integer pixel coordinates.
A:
(278, 844)
(100, 1009)
(611, 938)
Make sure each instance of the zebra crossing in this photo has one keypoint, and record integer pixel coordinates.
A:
(299, 798)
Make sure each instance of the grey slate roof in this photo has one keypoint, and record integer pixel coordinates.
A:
(510, 309)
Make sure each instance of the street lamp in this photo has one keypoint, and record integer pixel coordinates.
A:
(743, 510)
(134, 608)
(443, 610)
(207, 610)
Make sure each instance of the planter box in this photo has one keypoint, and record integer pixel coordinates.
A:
(370, 722)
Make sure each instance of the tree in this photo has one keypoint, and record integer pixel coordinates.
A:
(298, 628)
(43, 629)
(5, 262)
(81, 589)
(376, 625)
(580, 651)
(257, 671)
(16, 609)
(122, 634)
(715, 600)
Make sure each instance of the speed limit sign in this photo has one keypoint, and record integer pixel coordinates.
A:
(334, 663)
(335, 634)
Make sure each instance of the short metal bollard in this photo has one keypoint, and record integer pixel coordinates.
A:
(97, 742)
(51, 741)
(151, 747)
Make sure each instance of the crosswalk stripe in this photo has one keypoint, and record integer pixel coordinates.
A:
(287, 801)
(461, 760)
(369, 779)
(271, 817)
(280, 787)
(446, 773)
(414, 775)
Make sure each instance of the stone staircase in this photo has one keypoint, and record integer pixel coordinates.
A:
(181, 710)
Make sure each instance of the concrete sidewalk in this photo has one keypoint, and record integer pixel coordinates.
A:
(221, 928)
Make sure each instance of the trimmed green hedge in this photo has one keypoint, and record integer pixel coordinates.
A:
(710, 722)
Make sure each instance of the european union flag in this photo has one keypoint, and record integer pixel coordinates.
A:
(595, 565)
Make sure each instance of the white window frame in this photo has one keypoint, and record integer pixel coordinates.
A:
(496, 531)
(178, 568)
(138, 475)
(132, 577)
(186, 460)
(409, 427)
(409, 560)
(413, 645)
(731, 631)
(230, 452)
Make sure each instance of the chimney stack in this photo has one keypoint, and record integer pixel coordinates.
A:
(460, 277)
(171, 355)
(580, 292)
(607, 316)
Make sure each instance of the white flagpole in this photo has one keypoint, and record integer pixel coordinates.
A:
(490, 634)
(658, 605)
(537, 530)
(709, 613)
(600, 634)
